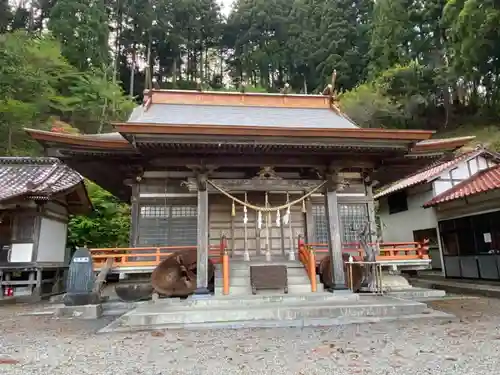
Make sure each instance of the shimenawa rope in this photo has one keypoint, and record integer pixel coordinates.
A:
(267, 209)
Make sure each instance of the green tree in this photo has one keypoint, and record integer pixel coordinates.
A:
(5, 16)
(474, 34)
(30, 72)
(369, 107)
(82, 28)
(107, 226)
(37, 83)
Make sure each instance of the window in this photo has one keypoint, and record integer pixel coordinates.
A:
(167, 225)
(397, 202)
(24, 228)
(471, 235)
(352, 216)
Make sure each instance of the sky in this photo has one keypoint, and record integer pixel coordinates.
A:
(226, 6)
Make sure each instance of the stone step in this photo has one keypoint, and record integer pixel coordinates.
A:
(245, 265)
(417, 294)
(247, 290)
(246, 272)
(245, 280)
(252, 300)
(256, 300)
(156, 317)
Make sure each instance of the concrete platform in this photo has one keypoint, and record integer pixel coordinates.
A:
(315, 309)
(471, 287)
(417, 294)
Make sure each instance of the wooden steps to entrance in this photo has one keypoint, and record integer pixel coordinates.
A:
(240, 283)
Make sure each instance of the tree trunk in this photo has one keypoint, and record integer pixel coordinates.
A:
(148, 84)
(174, 72)
(132, 71)
(201, 73)
(207, 72)
(119, 17)
(9, 141)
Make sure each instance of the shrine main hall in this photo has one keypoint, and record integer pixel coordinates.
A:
(261, 171)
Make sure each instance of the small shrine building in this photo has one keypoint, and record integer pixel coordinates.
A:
(260, 169)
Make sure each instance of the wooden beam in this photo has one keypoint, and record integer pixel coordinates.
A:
(237, 160)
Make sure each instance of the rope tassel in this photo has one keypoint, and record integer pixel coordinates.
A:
(286, 217)
(233, 210)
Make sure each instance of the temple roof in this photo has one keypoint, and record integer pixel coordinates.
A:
(431, 172)
(237, 115)
(220, 128)
(481, 182)
(41, 179)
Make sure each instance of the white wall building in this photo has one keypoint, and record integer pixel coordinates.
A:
(402, 214)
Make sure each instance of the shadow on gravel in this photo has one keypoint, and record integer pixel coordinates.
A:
(469, 309)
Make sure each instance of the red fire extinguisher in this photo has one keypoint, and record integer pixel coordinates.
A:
(8, 291)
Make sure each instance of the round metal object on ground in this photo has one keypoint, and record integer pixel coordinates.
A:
(175, 276)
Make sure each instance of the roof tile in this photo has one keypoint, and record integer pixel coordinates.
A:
(188, 114)
(35, 177)
(481, 182)
(426, 174)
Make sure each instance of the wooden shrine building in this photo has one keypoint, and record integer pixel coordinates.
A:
(260, 169)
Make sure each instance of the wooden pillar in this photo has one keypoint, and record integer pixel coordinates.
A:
(310, 230)
(334, 235)
(134, 215)
(202, 242)
(371, 214)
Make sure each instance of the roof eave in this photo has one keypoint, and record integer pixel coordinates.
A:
(296, 132)
(45, 137)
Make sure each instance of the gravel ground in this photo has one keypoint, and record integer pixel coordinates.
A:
(48, 346)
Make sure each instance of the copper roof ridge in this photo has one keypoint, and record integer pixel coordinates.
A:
(235, 93)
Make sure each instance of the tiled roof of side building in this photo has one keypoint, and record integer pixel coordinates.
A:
(427, 174)
(483, 181)
(227, 115)
(35, 177)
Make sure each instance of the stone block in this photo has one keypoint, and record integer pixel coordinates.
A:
(81, 299)
(80, 311)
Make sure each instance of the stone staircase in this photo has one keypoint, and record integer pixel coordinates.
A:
(239, 277)
(291, 310)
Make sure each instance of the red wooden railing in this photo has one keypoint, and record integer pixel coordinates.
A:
(308, 259)
(388, 250)
(124, 256)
